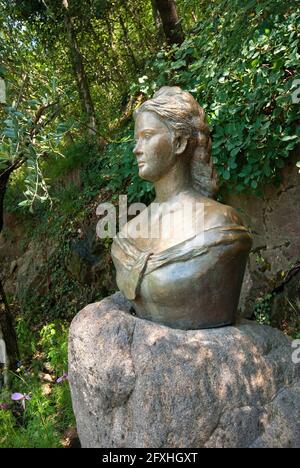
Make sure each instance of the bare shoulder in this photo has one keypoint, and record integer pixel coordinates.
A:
(217, 214)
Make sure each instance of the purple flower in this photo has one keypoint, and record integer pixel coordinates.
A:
(20, 396)
(62, 378)
(4, 406)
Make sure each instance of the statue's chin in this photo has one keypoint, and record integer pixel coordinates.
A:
(148, 174)
(145, 174)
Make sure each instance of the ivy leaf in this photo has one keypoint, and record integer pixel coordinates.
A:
(289, 137)
(10, 133)
(235, 151)
(178, 64)
(226, 175)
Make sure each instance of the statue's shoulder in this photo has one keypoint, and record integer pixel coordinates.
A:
(217, 214)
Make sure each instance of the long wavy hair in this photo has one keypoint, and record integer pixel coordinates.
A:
(182, 114)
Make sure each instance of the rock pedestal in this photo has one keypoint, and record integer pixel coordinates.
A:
(135, 383)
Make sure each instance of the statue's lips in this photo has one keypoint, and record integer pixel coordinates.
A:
(141, 163)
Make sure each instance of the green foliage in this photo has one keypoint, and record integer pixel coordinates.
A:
(73, 156)
(53, 340)
(240, 62)
(262, 309)
(17, 144)
(113, 169)
(49, 411)
(26, 336)
(119, 34)
(41, 86)
(29, 124)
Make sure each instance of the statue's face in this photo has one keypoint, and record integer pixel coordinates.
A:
(154, 148)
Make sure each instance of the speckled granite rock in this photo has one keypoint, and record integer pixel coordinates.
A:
(135, 383)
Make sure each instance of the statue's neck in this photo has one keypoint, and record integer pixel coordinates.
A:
(176, 181)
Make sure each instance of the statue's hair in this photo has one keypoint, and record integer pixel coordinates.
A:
(182, 114)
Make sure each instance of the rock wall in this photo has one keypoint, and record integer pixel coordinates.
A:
(274, 220)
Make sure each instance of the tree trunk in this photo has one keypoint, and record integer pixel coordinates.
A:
(80, 74)
(6, 318)
(158, 23)
(4, 178)
(171, 24)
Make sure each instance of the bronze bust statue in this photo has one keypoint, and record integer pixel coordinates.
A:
(190, 278)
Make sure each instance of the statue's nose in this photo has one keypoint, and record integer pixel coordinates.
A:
(137, 149)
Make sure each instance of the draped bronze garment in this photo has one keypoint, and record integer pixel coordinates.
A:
(210, 270)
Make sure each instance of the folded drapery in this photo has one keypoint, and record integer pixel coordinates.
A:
(132, 264)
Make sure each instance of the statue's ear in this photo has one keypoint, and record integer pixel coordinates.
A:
(180, 145)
